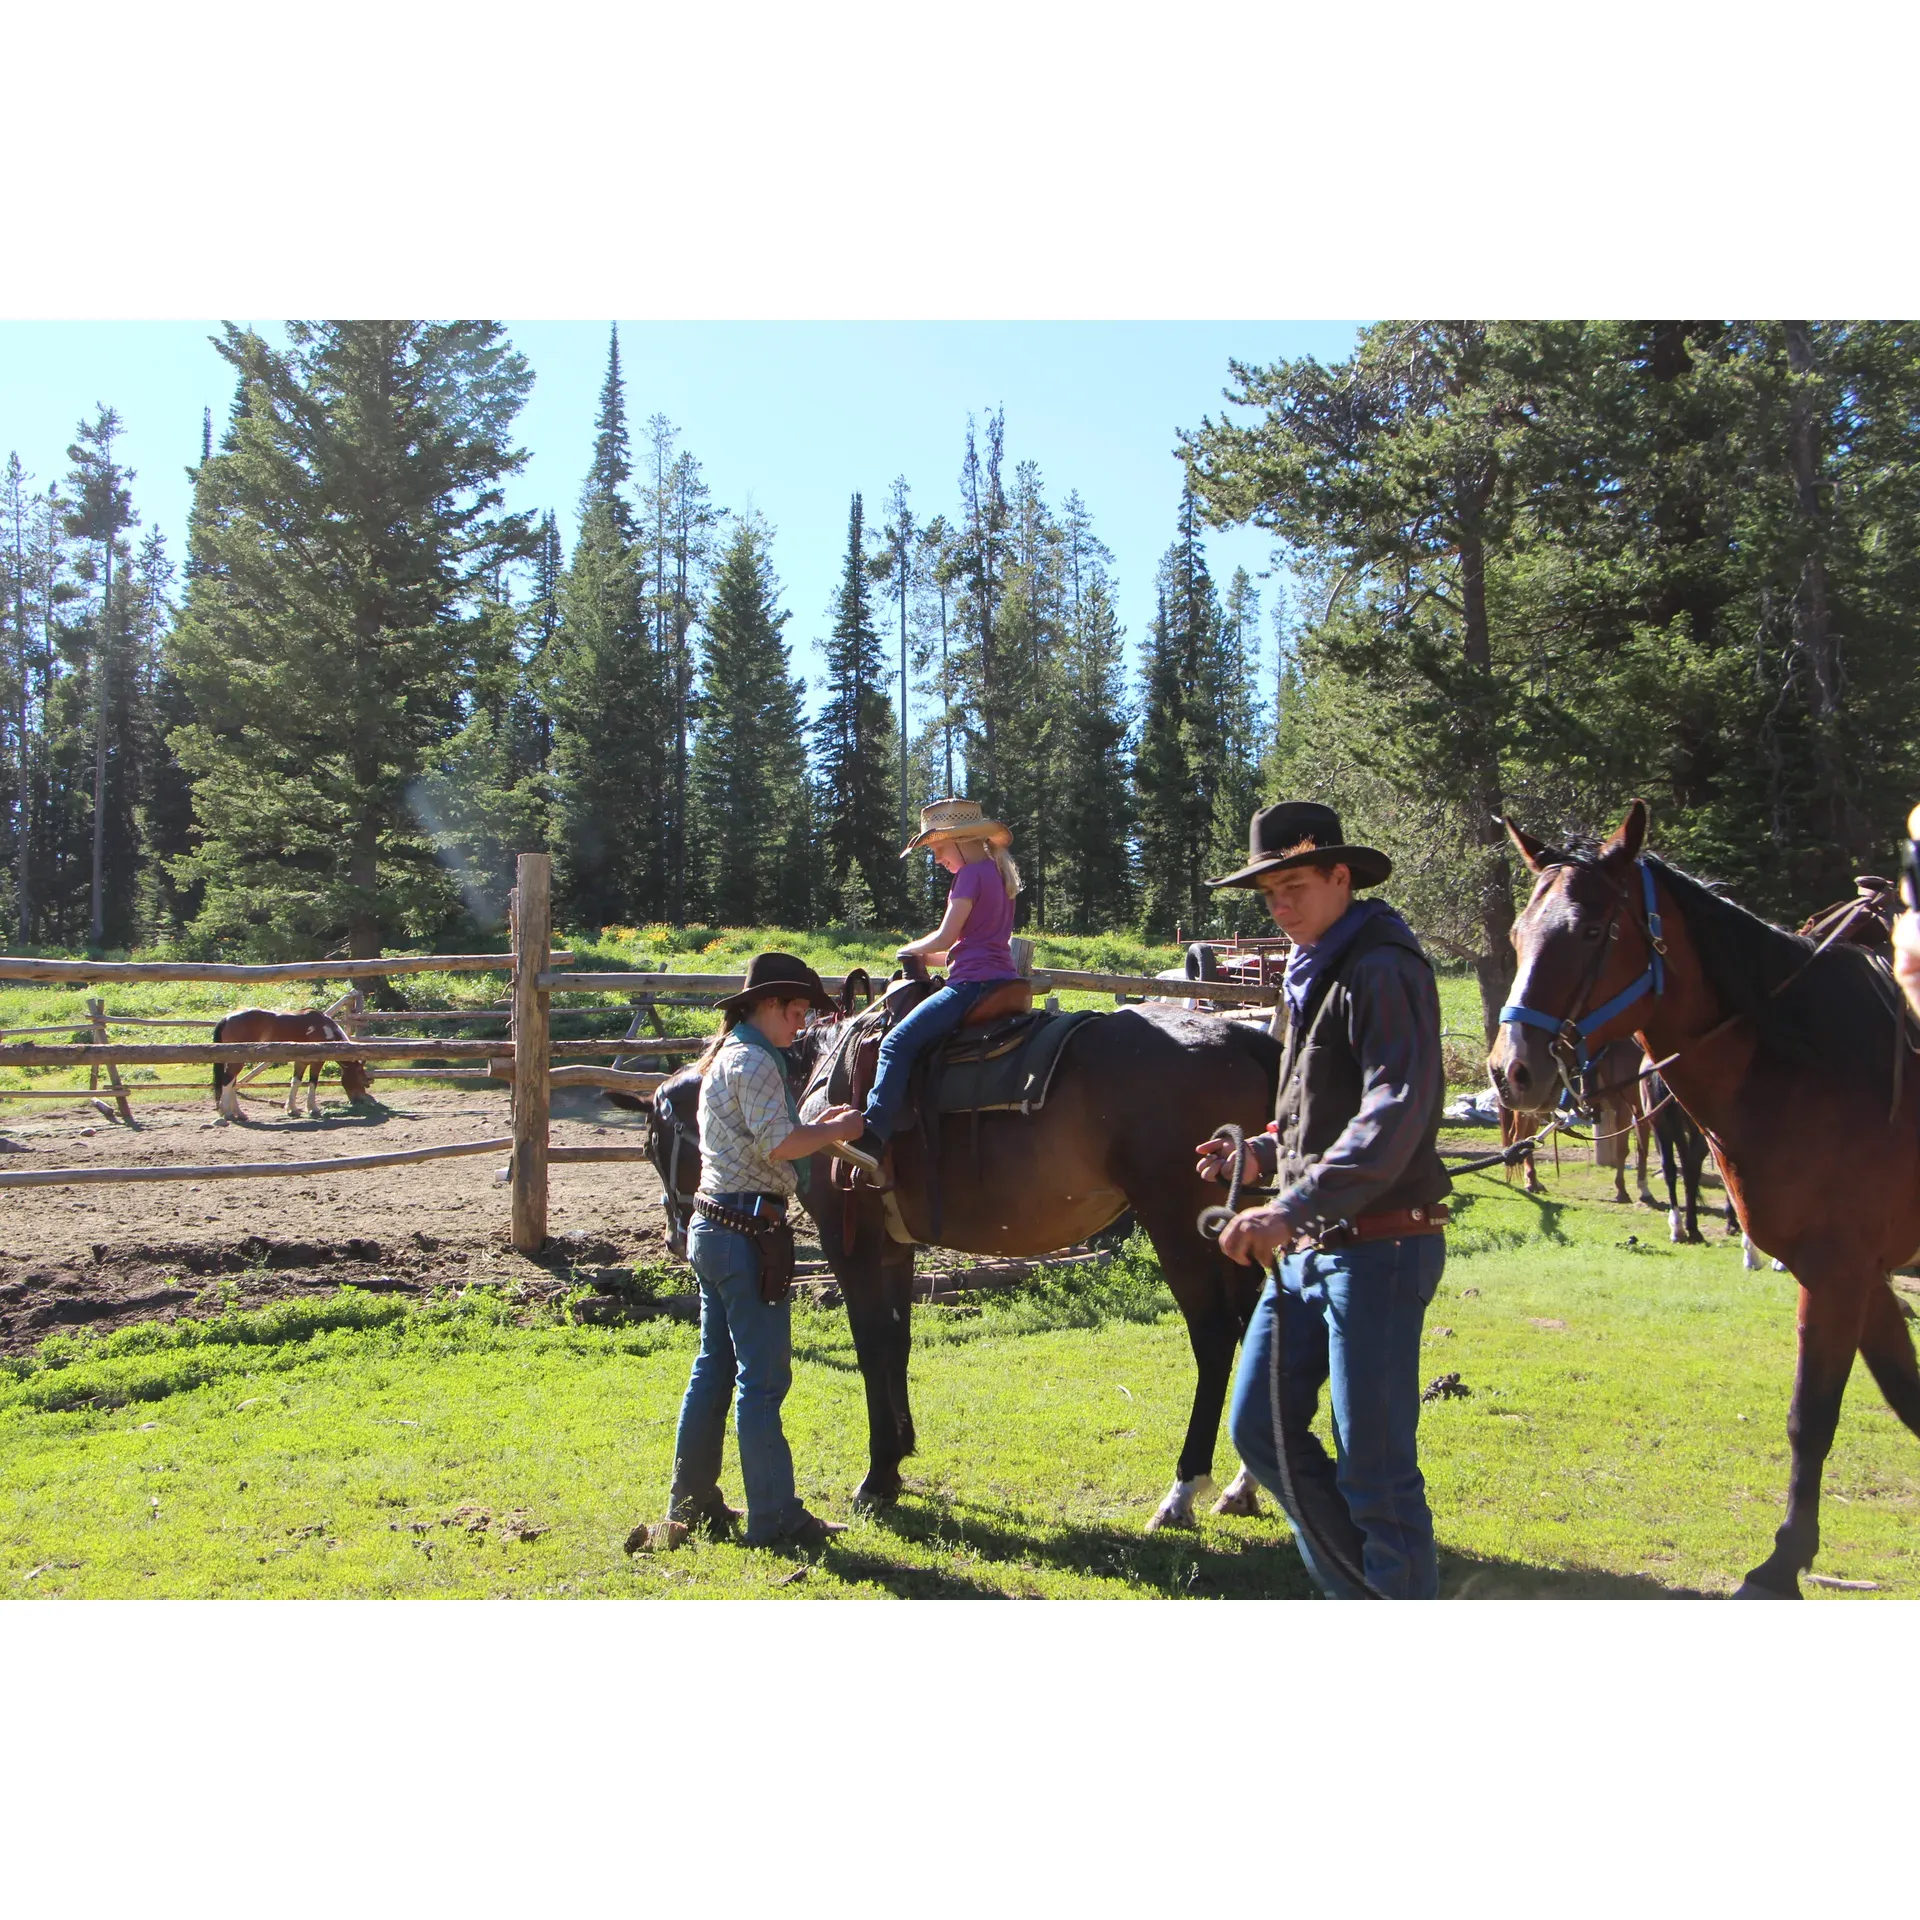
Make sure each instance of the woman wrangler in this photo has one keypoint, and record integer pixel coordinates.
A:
(753, 1153)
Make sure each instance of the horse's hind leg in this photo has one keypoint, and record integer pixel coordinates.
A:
(293, 1090)
(1692, 1161)
(1886, 1345)
(1214, 1327)
(1831, 1328)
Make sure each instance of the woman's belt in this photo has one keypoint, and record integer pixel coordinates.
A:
(737, 1219)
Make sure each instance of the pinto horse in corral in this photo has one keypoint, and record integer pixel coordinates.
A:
(1134, 1090)
(1792, 1061)
(260, 1024)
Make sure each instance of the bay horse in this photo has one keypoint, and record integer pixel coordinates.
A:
(307, 1023)
(1134, 1090)
(1792, 1061)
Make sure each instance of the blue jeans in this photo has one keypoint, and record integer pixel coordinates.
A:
(1351, 1318)
(741, 1339)
(938, 1015)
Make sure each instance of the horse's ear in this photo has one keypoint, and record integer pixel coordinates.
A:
(1536, 853)
(1626, 840)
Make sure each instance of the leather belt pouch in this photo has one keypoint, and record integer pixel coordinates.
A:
(772, 1238)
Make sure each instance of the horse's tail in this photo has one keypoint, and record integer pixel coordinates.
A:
(219, 1028)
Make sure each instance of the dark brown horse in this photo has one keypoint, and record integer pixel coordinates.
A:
(309, 1023)
(1134, 1091)
(1789, 1059)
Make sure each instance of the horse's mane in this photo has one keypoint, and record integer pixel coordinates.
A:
(1835, 1014)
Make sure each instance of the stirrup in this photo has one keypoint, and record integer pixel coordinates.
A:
(854, 1157)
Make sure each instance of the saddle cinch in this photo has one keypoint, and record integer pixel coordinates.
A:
(1001, 1060)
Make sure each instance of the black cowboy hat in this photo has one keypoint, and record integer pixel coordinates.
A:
(1295, 832)
(780, 976)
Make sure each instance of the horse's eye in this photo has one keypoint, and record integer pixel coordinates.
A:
(1590, 930)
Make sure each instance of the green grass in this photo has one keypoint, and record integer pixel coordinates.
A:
(1624, 1434)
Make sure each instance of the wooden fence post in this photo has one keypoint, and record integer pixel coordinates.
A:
(97, 1013)
(532, 943)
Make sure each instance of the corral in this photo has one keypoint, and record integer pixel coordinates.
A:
(119, 1225)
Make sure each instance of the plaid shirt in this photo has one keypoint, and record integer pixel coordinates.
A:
(744, 1113)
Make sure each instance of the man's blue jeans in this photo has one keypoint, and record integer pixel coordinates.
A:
(938, 1015)
(1350, 1318)
(741, 1339)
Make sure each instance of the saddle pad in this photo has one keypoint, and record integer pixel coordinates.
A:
(1010, 1066)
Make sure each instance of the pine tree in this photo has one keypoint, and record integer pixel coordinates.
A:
(749, 770)
(1094, 891)
(939, 571)
(612, 465)
(609, 697)
(893, 565)
(854, 740)
(16, 512)
(344, 536)
(1232, 680)
(102, 511)
(691, 522)
(979, 550)
(1182, 755)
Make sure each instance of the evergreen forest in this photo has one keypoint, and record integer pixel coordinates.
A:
(1521, 567)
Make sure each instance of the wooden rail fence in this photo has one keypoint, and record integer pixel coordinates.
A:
(527, 1060)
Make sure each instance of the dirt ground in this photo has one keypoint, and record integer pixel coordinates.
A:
(105, 1256)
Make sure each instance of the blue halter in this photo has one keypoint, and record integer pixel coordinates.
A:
(1577, 1031)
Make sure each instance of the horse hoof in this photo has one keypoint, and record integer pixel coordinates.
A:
(1176, 1510)
(1752, 1588)
(869, 1499)
(1239, 1502)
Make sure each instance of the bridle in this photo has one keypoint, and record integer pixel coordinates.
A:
(1572, 1030)
(660, 1115)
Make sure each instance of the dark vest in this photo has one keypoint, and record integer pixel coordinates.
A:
(1320, 1081)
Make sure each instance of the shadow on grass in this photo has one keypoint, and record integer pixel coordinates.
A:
(1171, 1565)
(1174, 1566)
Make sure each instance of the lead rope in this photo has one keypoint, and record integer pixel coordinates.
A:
(1211, 1223)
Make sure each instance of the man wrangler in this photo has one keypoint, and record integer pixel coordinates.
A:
(1356, 1219)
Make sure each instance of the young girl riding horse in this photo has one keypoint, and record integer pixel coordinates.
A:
(974, 938)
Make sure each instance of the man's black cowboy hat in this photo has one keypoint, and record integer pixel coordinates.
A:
(1298, 831)
(778, 976)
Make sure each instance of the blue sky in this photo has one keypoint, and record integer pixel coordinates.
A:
(791, 417)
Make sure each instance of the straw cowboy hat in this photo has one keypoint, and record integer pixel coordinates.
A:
(782, 976)
(957, 820)
(1298, 831)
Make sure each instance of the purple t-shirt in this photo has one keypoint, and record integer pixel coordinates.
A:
(982, 952)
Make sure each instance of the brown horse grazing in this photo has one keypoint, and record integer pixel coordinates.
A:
(309, 1023)
(1792, 1062)
(1134, 1090)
